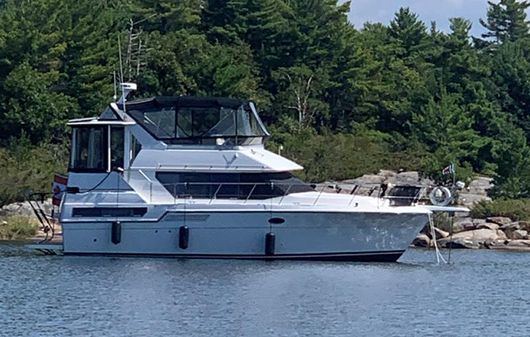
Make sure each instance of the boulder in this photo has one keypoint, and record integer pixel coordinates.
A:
(501, 235)
(24, 208)
(488, 225)
(524, 225)
(499, 220)
(458, 243)
(440, 234)
(459, 225)
(520, 234)
(421, 240)
(478, 236)
(405, 178)
(510, 228)
(519, 243)
(495, 244)
(479, 221)
(476, 191)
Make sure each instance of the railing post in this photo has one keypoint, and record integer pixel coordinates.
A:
(319, 194)
(215, 194)
(286, 193)
(250, 193)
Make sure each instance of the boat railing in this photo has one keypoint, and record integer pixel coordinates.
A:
(277, 192)
(154, 191)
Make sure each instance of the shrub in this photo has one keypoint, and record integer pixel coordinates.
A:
(328, 156)
(29, 168)
(17, 228)
(515, 209)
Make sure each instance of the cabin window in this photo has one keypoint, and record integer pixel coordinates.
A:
(160, 123)
(97, 212)
(231, 185)
(116, 147)
(136, 147)
(89, 151)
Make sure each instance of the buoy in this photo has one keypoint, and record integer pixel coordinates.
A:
(116, 232)
(440, 196)
(270, 244)
(184, 237)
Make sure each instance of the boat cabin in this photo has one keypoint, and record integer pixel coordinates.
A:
(104, 144)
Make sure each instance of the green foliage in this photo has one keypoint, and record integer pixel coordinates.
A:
(342, 101)
(328, 156)
(17, 228)
(26, 168)
(506, 20)
(517, 210)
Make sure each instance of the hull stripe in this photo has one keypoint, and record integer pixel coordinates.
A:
(383, 256)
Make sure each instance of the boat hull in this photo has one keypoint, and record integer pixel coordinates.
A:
(323, 236)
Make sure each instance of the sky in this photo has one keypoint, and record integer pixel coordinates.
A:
(428, 10)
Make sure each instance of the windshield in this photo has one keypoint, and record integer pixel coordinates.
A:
(193, 124)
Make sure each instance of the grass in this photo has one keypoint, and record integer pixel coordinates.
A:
(515, 209)
(17, 228)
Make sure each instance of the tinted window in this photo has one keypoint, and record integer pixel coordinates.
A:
(89, 151)
(97, 212)
(201, 124)
(231, 185)
(116, 147)
(160, 123)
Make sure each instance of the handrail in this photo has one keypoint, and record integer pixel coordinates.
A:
(145, 176)
(270, 190)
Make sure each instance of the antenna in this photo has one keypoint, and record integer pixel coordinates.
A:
(121, 61)
(115, 97)
(131, 64)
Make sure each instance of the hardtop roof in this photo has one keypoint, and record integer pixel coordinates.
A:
(184, 101)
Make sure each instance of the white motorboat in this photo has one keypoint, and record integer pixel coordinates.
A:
(189, 177)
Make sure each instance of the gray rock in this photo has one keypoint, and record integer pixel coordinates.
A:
(519, 243)
(421, 240)
(510, 228)
(24, 209)
(369, 179)
(488, 225)
(476, 191)
(412, 177)
(520, 234)
(459, 225)
(495, 244)
(440, 234)
(524, 225)
(458, 243)
(477, 236)
(479, 221)
(499, 220)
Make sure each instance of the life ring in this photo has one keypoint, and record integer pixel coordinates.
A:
(440, 196)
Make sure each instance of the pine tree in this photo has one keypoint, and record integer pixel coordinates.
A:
(506, 20)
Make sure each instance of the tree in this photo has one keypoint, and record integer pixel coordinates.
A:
(506, 20)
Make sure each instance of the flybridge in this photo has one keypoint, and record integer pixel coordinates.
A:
(199, 120)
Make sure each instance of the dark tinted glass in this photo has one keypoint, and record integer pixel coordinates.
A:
(89, 150)
(109, 212)
(231, 185)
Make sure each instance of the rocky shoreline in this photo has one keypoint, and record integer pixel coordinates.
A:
(468, 233)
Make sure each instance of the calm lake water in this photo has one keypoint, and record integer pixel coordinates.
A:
(482, 293)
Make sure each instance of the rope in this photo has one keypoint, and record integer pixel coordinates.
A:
(439, 256)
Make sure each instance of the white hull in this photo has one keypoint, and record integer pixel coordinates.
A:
(230, 234)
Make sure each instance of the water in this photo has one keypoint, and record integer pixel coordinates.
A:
(484, 293)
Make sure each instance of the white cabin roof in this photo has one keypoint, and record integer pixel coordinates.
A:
(239, 159)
